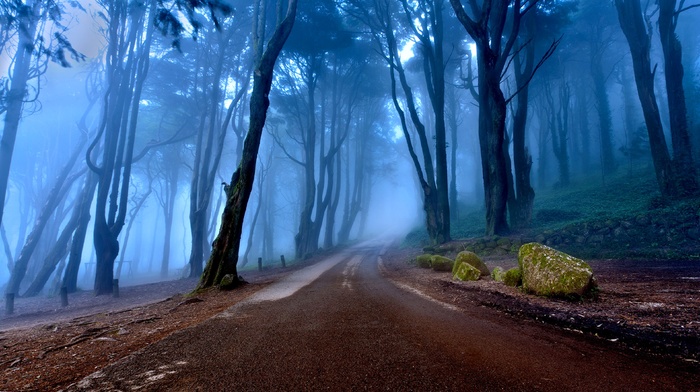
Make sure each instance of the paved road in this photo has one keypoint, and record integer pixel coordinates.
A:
(340, 325)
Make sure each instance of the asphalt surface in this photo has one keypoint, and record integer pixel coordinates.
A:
(341, 325)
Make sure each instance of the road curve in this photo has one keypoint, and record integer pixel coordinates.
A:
(340, 325)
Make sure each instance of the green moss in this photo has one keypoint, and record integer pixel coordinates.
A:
(472, 259)
(441, 263)
(424, 261)
(465, 272)
(549, 272)
(497, 274)
(512, 277)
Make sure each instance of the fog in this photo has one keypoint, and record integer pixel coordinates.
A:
(373, 128)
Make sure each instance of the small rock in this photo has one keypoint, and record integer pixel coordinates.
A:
(423, 260)
(441, 263)
(465, 272)
(473, 260)
(497, 274)
(512, 277)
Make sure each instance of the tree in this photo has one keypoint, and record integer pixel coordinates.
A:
(428, 31)
(211, 136)
(311, 65)
(130, 34)
(224, 257)
(686, 181)
(60, 188)
(27, 22)
(638, 37)
(600, 35)
(494, 44)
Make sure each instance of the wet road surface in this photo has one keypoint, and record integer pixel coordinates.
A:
(340, 325)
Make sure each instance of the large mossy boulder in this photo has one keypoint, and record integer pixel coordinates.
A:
(441, 263)
(472, 259)
(549, 272)
(465, 272)
(424, 260)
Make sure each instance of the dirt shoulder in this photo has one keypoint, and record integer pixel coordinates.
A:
(650, 306)
(44, 347)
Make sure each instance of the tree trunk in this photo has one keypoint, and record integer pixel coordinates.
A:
(128, 63)
(634, 28)
(224, 257)
(607, 153)
(56, 254)
(61, 186)
(305, 241)
(452, 120)
(168, 213)
(521, 214)
(132, 217)
(492, 117)
(15, 97)
(258, 208)
(70, 277)
(684, 169)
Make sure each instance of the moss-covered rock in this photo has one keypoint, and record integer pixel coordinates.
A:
(424, 261)
(441, 263)
(472, 259)
(497, 274)
(465, 272)
(512, 277)
(549, 272)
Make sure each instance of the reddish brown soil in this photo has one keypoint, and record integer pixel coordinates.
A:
(650, 307)
(44, 347)
(653, 306)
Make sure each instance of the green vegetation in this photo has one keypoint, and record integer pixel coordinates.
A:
(621, 216)
(591, 198)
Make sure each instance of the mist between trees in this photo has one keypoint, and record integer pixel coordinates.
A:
(157, 139)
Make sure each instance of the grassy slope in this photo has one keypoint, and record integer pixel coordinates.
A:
(623, 195)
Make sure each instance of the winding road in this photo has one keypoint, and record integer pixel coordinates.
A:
(341, 325)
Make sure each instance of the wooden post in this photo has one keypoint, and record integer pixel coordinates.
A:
(64, 297)
(115, 288)
(284, 264)
(9, 303)
(259, 263)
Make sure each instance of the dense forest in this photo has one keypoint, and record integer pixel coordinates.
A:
(189, 138)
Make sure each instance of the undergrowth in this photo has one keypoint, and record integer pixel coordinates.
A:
(624, 195)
